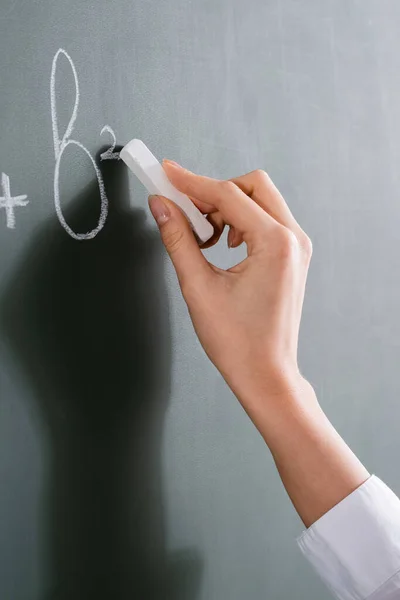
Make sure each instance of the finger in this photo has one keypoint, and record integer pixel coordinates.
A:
(260, 188)
(234, 205)
(235, 238)
(179, 240)
(218, 224)
(231, 235)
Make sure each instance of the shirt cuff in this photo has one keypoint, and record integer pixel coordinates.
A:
(355, 547)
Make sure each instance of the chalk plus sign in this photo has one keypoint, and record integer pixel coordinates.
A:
(9, 202)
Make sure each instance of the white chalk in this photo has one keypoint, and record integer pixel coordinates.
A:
(149, 171)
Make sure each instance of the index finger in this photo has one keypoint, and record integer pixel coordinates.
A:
(235, 206)
(260, 188)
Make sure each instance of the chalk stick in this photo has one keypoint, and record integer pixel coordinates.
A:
(149, 171)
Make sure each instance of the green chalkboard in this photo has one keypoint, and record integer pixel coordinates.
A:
(127, 468)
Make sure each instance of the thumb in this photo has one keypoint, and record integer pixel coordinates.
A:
(178, 239)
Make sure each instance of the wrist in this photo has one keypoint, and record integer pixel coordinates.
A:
(268, 385)
(275, 398)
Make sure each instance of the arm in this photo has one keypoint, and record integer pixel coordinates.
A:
(316, 466)
(248, 318)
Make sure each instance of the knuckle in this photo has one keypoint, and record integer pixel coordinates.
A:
(173, 239)
(260, 175)
(227, 187)
(307, 246)
(287, 244)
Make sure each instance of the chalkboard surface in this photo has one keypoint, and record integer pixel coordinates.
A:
(127, 468)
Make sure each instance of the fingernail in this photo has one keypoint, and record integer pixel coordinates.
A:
(229, 239)
(171, 163)
(159, 209)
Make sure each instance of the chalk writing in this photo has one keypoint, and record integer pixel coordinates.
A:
(9, 202)
(110, 154)
(60, 146)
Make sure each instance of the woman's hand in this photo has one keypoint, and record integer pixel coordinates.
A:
(247, 318)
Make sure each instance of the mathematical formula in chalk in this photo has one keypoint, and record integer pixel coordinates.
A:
(10, 203)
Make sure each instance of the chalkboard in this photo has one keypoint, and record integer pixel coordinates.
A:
(127, 467)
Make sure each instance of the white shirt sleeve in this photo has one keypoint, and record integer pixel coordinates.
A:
(355, 547)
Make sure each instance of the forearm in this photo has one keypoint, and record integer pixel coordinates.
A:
(316, 466)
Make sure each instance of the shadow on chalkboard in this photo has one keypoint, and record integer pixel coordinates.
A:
(88, 323)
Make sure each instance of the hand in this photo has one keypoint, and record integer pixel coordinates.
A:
(247, 318)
